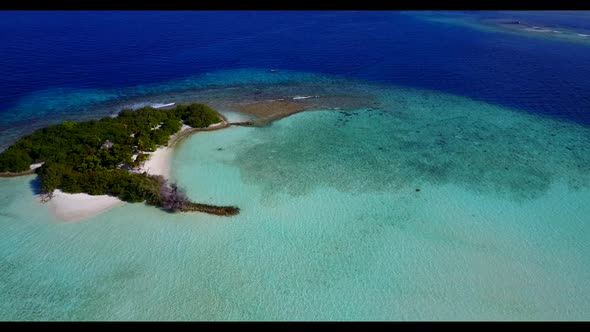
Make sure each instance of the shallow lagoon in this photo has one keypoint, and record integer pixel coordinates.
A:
(331, 225)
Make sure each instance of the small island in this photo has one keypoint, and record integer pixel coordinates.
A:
(105, 157)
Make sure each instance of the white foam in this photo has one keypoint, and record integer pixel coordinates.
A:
(162, 105)
(306, 97)
(144, 104)
(37, 165)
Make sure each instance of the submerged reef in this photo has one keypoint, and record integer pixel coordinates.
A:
(413, 138)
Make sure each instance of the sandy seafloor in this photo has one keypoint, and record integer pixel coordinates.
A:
(332, 224)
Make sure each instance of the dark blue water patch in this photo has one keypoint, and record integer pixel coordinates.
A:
(105, 50)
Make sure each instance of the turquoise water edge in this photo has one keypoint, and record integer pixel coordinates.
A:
(391, 204)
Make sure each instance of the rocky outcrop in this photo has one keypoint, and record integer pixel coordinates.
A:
(211, 209)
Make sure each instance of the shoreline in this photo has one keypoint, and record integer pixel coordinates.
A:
(31, 170)
(159, 162)
(13, 174)
(79, 206)
(76, 207)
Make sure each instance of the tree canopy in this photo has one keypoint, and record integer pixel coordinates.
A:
(76, 158)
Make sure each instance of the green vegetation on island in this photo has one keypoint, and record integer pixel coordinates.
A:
(96, 156)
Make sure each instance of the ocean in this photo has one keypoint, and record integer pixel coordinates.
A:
(449, 180)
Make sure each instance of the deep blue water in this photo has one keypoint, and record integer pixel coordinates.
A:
(420, 208)
(101, 49)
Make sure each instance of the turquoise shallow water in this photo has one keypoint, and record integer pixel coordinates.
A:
(332, 226)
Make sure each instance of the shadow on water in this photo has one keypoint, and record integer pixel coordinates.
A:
(35, 185)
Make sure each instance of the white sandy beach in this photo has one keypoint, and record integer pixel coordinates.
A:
(75, 207)
(158, 163)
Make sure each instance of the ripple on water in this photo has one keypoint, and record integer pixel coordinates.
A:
(403, 204)
(419, 138)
